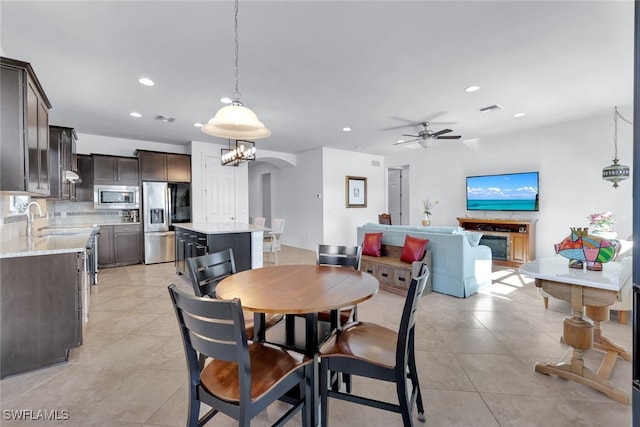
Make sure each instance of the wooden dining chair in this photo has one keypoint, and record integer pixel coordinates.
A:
(384, 218)
(259, 221)
(243, 378)
(339, 256)
(206, 271)
(374, 351)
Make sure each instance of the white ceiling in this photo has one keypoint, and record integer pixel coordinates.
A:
(310, 68)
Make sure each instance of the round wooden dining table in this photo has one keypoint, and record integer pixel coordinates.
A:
(298, 289)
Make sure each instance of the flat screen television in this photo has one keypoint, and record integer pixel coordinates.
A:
(503, 192)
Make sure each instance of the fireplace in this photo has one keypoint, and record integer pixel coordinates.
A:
(498, 244)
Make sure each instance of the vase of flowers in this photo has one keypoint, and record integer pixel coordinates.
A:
(427, 211)
(602, 224)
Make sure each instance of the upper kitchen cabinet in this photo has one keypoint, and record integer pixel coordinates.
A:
(113, 170)
(24, 138)
(165, 167)
(84, 189)
(62, 160)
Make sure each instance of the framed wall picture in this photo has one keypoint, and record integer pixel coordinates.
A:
(356, 191)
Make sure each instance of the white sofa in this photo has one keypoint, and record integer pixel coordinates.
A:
(458, 268)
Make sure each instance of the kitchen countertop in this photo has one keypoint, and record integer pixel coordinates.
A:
(221, 227)
(47, 241)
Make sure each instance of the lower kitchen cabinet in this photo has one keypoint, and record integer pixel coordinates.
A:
(119, 245)
(191, 244)
(41, 310)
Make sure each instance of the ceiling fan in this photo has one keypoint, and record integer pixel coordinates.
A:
(426, 134)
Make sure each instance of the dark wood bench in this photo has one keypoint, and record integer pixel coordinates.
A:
(394, 275)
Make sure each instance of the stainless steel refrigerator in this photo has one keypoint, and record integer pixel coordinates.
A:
(163, 204)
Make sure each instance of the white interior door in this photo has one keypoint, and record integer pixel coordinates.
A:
(219, 190)
(395, 196)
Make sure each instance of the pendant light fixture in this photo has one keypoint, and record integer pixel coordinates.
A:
(236, 121)
(242, 152)
(616, 172)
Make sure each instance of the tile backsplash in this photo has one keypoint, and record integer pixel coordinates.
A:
(57, 213)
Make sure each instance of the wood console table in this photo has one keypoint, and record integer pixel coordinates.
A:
(520, 235)
(593, 291)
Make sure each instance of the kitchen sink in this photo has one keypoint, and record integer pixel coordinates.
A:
(53, 233)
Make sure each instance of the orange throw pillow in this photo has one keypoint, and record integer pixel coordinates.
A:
(371, 244)
(413, 249)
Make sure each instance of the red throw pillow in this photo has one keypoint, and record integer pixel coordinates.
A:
(371, 244)
(413, 249)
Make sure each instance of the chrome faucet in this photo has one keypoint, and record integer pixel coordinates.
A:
(30, 217)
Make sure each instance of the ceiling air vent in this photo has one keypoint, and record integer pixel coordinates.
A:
(164, 119)
(490, 108)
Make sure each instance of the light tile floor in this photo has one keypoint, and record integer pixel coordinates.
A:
(475, 361)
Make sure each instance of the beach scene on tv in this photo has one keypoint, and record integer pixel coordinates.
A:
(505, 192)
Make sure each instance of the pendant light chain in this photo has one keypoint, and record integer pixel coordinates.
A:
(236, 95)
(616, 114)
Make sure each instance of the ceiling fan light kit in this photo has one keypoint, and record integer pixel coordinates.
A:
(236, 121)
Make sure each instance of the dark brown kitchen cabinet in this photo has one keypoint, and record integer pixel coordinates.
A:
(119, 245)
(24, 136)
(165, 167)
(62, 157)
(41, 310)
(84, 189)
(114, 170)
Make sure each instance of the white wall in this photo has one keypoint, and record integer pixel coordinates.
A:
(98, 144)
(340, 222)
(311, 195)
(569, 156)
(296, 200)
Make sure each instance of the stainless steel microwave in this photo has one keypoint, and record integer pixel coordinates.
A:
(116, 197)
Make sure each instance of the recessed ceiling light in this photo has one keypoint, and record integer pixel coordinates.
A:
(518, 114)
(470, 140)
(226, 100)
(146, 81)
(400, 141)
(471, 89)
(135, 114)
(198, 125)
(346, 129)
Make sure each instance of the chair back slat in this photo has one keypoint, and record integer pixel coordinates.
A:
(208, 270)
(260, 221)
(211, 327)
(384, 218)
(408, 319)
(343, 256)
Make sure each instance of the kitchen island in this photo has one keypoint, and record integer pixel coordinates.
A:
(195, 239)
(44, 297)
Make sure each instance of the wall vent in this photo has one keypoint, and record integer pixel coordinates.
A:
(490, 108)
(375, 163)
(164, 119)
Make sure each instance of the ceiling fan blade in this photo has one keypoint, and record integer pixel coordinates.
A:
(440, 132)
(406, 142)
(409, 123)
(449, 137)
(413, 136)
